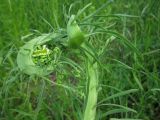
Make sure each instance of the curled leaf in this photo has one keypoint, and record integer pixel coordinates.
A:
(24, 57)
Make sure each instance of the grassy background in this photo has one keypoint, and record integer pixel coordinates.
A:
(128, 80)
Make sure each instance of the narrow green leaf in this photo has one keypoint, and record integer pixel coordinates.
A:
(119, 95)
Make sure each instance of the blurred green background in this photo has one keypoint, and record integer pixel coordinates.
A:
(24, 97)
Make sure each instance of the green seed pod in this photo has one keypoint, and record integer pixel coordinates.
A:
(75, 35)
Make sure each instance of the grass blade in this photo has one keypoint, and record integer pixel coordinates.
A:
(119, 95)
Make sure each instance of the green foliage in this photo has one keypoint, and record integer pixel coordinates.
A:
(124, 36)
(24, 57)
(75, 35)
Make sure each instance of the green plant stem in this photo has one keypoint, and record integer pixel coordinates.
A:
(92, 69)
